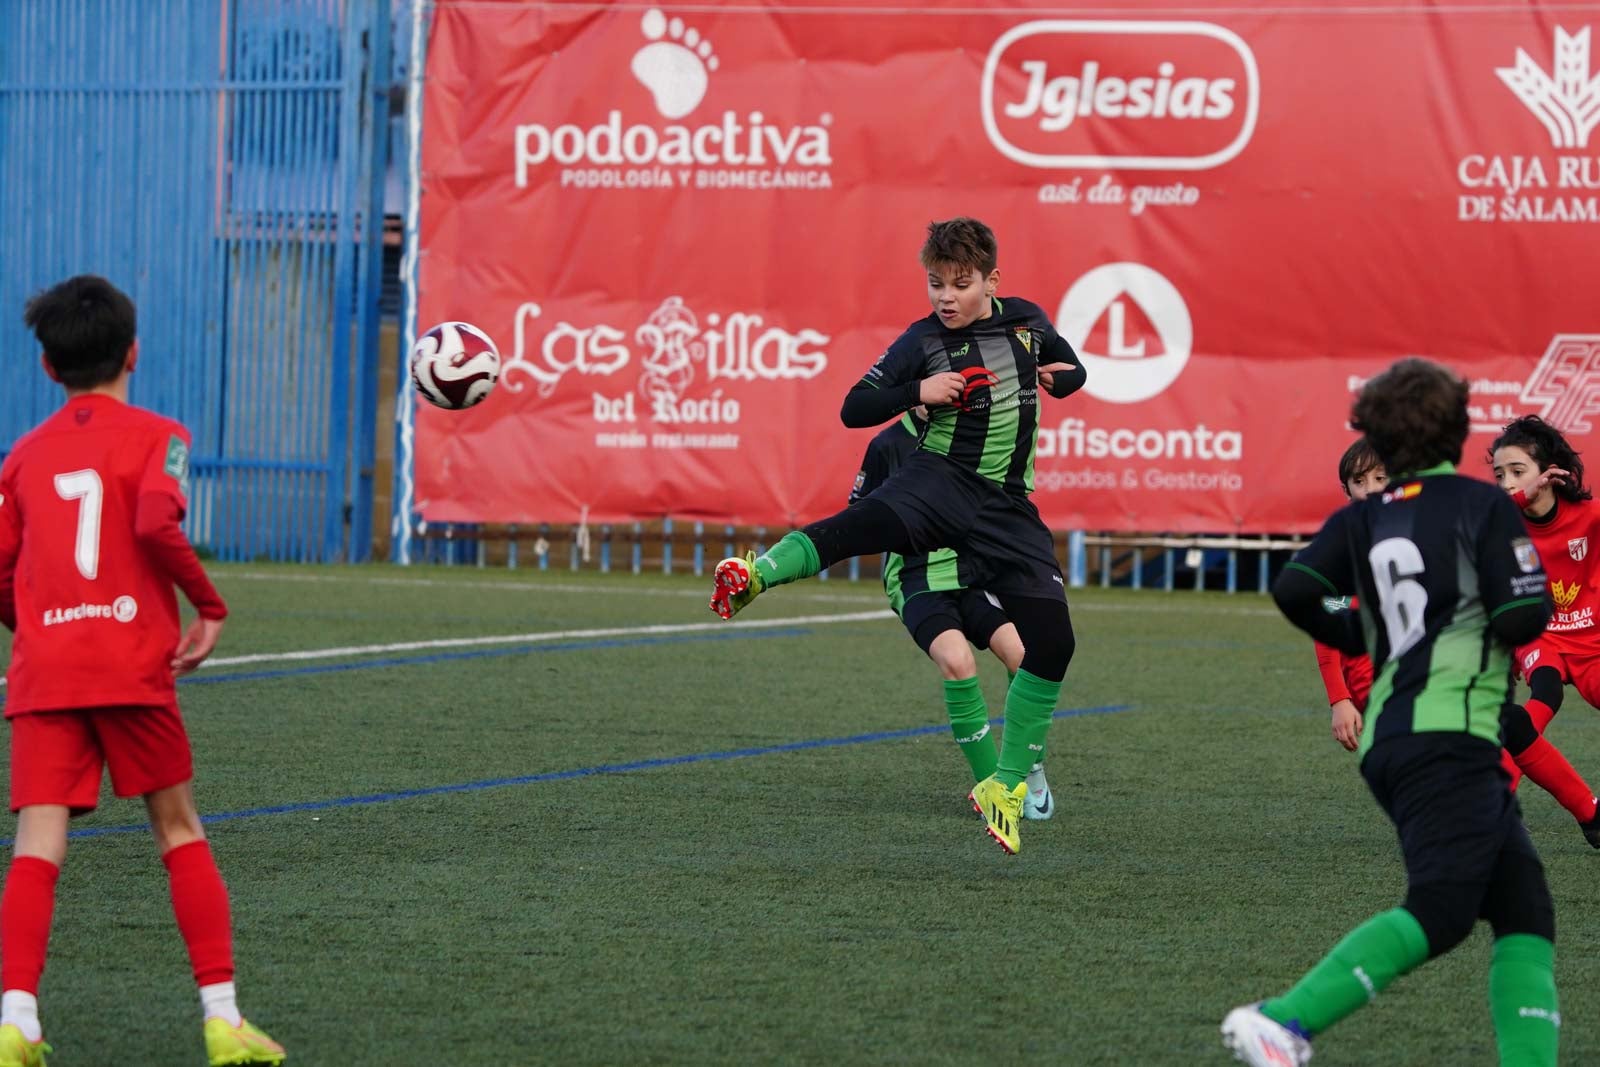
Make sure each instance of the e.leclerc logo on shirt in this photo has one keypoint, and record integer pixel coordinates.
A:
(122, 609)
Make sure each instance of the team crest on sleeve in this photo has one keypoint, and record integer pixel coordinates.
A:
(1578, 548)
(861, 479)
(1527, 555)
(177, 462)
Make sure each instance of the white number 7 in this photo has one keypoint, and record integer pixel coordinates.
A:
(84, 486)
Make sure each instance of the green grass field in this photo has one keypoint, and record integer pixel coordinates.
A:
(828, 903)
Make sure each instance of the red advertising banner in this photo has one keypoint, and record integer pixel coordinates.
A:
(690, 232)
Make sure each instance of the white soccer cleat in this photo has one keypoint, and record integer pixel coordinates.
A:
(1039, 804)
(1261, 1042)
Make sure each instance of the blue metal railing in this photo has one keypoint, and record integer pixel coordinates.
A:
(222, 161)
(1135, 561)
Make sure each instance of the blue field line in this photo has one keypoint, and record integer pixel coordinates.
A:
(517, 650)
(580, 772)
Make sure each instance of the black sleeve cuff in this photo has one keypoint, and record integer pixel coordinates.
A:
(1068, 382)
(865, 406)
(1520, 621)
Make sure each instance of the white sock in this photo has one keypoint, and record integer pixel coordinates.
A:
(22, 1011)
(217, 1002)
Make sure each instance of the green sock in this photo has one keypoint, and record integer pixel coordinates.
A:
(969, 721)
(1011, 676)
(1370, 957)
(1030, 704)
(789, 560)
(1522, 1000)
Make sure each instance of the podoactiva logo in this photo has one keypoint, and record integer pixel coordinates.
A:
(676, 143)
(1166, 95)
(1130, 327)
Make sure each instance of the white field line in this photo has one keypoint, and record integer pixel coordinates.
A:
(1167, 607)
(522, 587)
(539, 637)
(580, 635)
(546, 635)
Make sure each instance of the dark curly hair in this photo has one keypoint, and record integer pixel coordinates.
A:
(1415, 416)
(1549, 448)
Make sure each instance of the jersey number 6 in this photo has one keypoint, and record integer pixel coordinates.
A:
(1403, 600)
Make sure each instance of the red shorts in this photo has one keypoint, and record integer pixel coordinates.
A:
(57, 757)
(1579, 670)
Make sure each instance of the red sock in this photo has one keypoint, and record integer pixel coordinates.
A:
(200, 902)
(25, 910)
(1509, 763)
(1541, 714)
(1545, 764)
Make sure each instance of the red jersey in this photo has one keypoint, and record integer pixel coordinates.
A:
(1345, 677)
(90, 502)
(1569, 544)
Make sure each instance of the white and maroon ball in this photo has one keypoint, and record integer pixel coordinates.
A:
(454, 365)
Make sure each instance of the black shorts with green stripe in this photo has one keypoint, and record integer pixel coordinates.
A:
(945, 506)
(973, 613)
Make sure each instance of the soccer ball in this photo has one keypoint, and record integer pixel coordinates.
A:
(454, 365)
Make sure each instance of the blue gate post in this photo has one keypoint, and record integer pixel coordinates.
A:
(345, 265)
(369, 286)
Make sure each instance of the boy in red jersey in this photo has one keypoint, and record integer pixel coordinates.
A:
(1534, 463)
(90, 548)
(1348, 679)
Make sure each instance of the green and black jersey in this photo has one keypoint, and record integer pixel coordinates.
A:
(994, 428)
(1447, 576)
(906, 576)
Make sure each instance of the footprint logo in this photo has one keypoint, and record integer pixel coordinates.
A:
(674, 65)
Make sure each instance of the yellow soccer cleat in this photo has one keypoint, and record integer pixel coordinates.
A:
(735, 583)
(17, 1051)
(1001, 809)
(234, 1046)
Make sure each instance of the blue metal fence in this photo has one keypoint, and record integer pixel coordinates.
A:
(223, 162)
